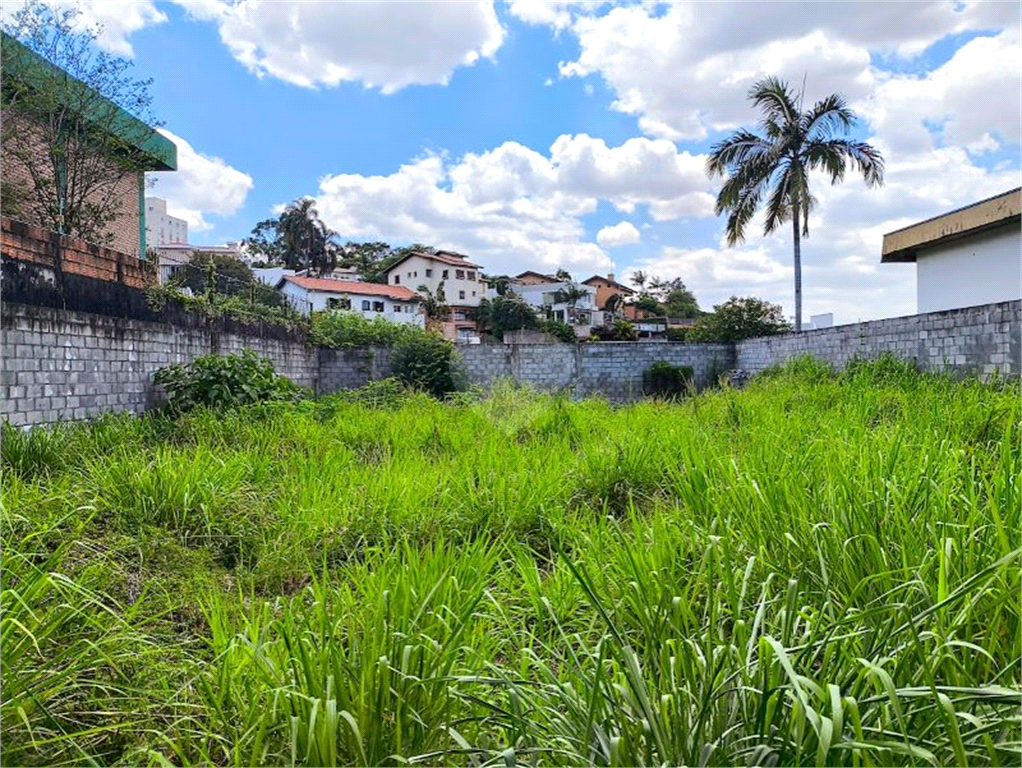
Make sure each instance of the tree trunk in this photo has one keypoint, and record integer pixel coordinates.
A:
(798, 269)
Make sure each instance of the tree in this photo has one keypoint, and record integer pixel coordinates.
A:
(571, 295)
(500, 283)
(308, 242)
(435, 304)
(219, 273)
(265, 241)
(61, 134)
(639, 279)
(563, 275)
(738, 319)
(505, 313)
(778, 163)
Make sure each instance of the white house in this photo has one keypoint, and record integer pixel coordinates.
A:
(547, 299)
(160, 227)
(173, 256)
(316, 294)
(462, 281)
(964, 258)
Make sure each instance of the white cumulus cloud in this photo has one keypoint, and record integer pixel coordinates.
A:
(201, 185)
(622, 233)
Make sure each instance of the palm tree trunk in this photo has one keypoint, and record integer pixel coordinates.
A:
(798, 269)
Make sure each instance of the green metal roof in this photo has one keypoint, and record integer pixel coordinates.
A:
(154, 151)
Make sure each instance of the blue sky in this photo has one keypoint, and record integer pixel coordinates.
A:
(537, 135)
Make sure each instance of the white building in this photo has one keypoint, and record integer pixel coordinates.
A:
(964, 258)
(462, 282)
(161, 228)
(547, 298)
(317, 294)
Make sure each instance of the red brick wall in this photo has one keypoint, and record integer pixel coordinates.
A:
(123, 230)
(28, 243)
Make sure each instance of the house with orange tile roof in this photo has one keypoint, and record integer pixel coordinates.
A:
(394, 303)
(461, 279)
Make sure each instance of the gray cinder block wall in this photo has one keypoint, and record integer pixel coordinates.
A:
(981, 340)
(61, 366)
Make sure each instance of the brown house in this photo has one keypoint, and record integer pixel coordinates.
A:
(607, 287)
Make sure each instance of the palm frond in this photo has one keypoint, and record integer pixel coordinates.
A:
(728, 155)
(827, 116)
(773, 96)
(833, 155)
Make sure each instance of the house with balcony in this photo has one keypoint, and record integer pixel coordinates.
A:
(606, 289)
(394, 303)
(561, 301)
(460, 279)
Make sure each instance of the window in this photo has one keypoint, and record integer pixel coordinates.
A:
(397, 308)
(338, 303)
(365, 305)
(461, 294)
(459, 274)
(445, 274)
(473, 293)
(429, 273)
(471, 275)
(377, 306)
(397, 279)
(415, 273)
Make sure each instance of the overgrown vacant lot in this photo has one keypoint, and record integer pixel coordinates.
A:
(818, 570)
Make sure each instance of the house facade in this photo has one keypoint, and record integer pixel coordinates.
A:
(173, 256)
(394, 303)
(966, 257)
(547, 299)
(462, 282)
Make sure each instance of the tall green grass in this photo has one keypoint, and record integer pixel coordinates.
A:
(818, 570)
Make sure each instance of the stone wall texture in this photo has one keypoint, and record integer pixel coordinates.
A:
(60, 365)
(981, 340)
(63, 366)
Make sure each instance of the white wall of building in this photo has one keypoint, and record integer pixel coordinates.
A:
(161, 228)
(542, 298)
(370, 307)
(981, 269)
(466, 291)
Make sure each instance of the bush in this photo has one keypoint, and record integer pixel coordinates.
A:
(622, 330)
(216, 305)
(228, 381)
(348, 329)
(427, 362)
(737, 319)
(677, 334)
(560, 331)
(668, 381)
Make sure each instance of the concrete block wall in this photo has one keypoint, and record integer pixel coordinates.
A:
(610, 368)
(980, 340)
(63, 366)
(351, 367)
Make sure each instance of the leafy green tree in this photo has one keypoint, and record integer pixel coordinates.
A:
(435, 304)
(308, 241)
(639, 279)
(778, 161)
(740, 318)
(265, 241)
(505, 313)
(219, 273)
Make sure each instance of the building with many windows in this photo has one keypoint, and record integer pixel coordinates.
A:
(160, 227)
(460, 280)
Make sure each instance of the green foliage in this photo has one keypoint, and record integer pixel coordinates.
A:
(678, 334)
(427, 362)
(349, 329)
(664, 380)
(245, 307)
(622, 330)
(560, 331)
(647, 303)
(737, 319)
(225, 381)
(819, 569)
(506, 313)
(222, 274)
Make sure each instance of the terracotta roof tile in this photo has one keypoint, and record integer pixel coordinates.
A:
(325, 285)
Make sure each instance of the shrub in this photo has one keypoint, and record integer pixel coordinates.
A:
(427, 362)
(214, 305)
(560, 331)
(738, 319)
(665, 380)
(227, 381)
(348, 329)
(622, 330)
(677, 334)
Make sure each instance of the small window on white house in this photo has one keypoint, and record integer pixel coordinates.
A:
(471, 275)
(445, 274)
(397, 308)
(473, 293)
(397, 279)
(365, 305)
(377, 306)
(459, 274)
(461, 294)
(338, 303)
(429, 273)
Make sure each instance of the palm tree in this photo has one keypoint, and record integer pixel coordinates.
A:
(778, 162)
(308, 241)
(639, 279)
